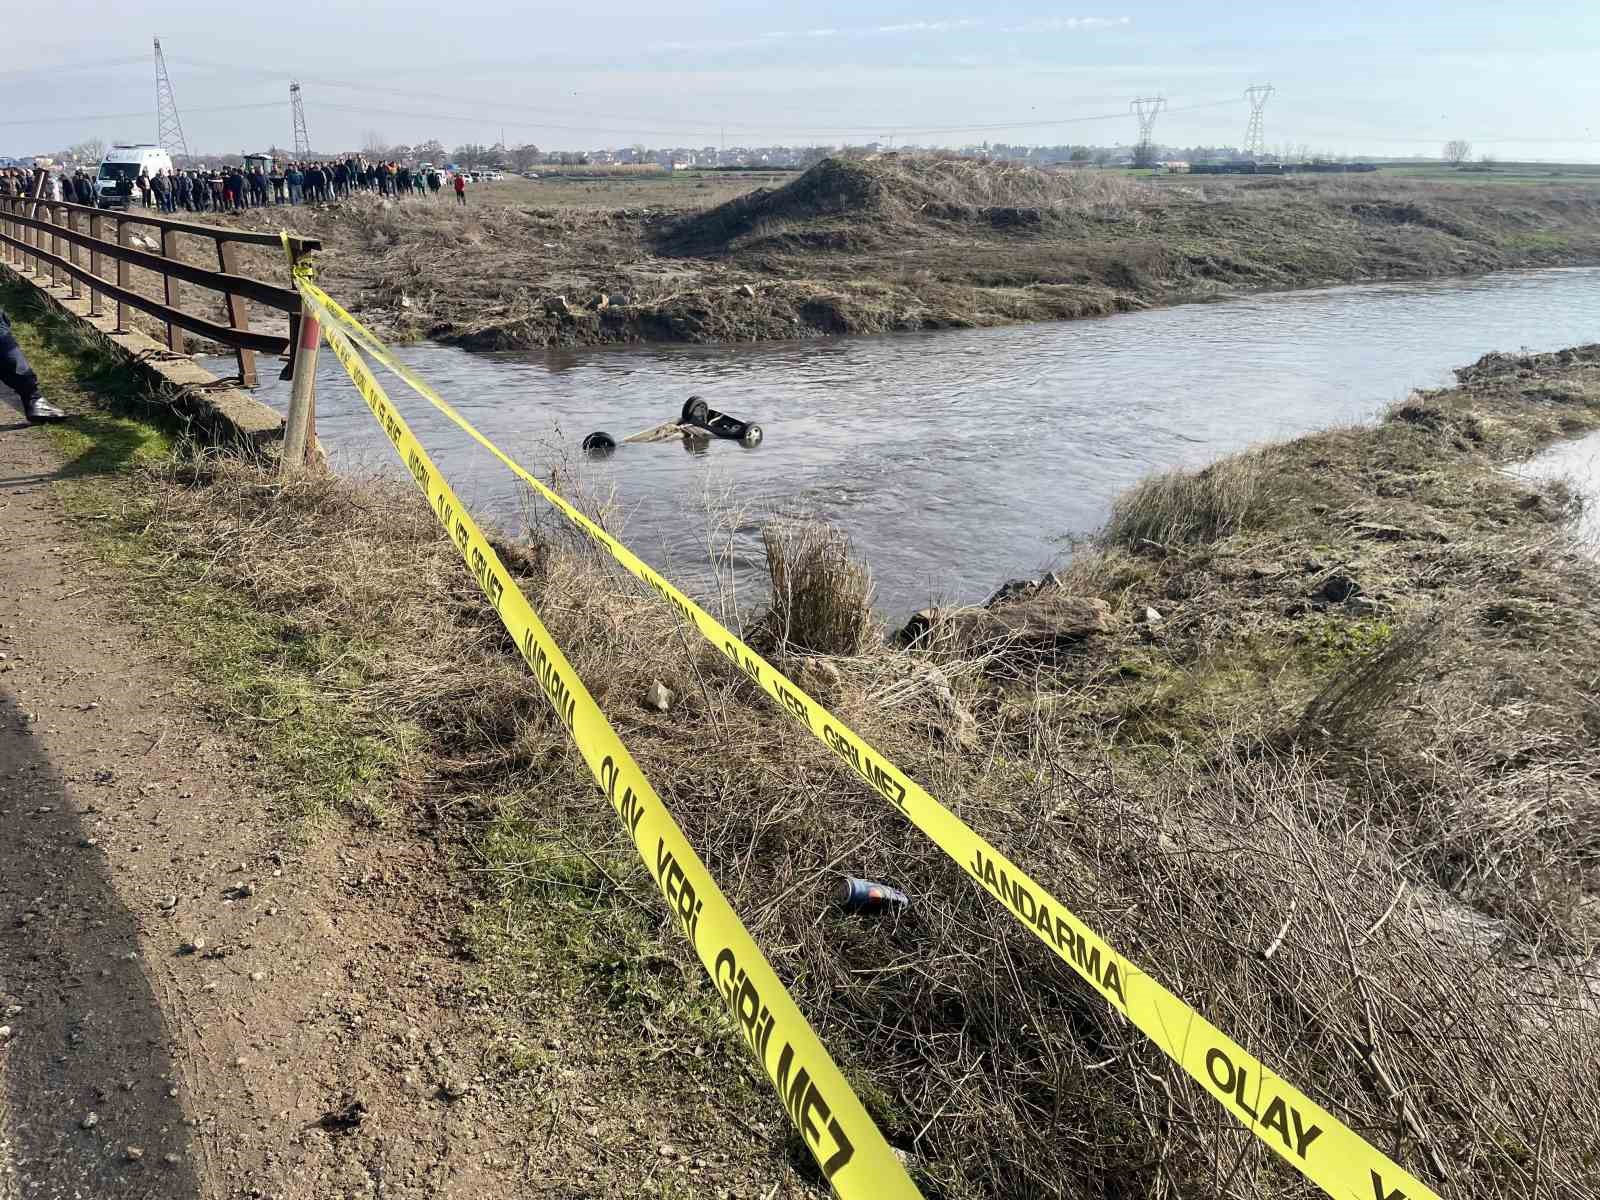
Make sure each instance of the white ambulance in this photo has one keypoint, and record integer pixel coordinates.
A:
(125, 164)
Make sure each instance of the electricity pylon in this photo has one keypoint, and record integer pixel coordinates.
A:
(169, 129)
(302, 141)
(1255, 142)
(1147, 109)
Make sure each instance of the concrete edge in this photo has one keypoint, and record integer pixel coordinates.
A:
(222, 411)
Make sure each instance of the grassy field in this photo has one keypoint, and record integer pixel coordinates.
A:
(899, 242)
(678, 190)
(1338, 792)
(1500, 172)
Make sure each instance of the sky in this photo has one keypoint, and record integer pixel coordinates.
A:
(1519, 80)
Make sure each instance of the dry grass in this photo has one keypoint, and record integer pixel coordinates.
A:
(977, 183)
(892, 242)
(1182, 507)
(1367, 853)
(821, 594)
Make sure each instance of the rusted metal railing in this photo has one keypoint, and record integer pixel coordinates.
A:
(33, 232)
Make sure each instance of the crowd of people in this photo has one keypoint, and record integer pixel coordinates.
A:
(230, 189)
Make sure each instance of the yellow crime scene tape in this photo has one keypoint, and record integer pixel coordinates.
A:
(847, 1145)
(1285, 1119)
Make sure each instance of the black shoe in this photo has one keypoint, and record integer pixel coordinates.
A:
(41, 411)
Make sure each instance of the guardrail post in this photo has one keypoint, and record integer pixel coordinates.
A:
(24, 259)
(72, 254)
(36, 241)
(55, 242)
(122, 272)
(97, 230)
(169, 286)
(300, 427)
(238, 314)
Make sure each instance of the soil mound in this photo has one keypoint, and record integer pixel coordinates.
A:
(871, 196)
(834, 187)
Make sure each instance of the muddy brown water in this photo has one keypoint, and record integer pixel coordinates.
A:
(955, 460)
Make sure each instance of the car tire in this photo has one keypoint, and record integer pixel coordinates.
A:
(696, 411)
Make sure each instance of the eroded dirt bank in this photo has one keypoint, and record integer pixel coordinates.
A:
(901, 242)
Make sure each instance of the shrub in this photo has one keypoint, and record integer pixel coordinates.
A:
(821, 595)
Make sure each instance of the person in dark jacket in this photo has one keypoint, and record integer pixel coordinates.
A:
(183, 191)
(17, 375)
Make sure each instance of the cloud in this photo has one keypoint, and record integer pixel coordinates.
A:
(902, 29)
(872, 30)
(930, 26)
(1068, 24)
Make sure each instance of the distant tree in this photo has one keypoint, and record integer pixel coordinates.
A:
(524, 156)
(430, 151)
(88, 150)
(1457, 151)
(374, 144)
(472, 154)
(1486, 159)
(1080, 154)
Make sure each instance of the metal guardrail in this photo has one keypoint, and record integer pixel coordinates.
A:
(28, 223)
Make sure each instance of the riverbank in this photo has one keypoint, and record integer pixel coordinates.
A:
(903, 242)
(1326, 768)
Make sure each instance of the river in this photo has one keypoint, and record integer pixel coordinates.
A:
(954, 460)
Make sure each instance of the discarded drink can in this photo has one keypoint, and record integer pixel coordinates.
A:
(868, 896)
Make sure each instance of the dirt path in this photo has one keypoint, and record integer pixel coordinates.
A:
(188, 991)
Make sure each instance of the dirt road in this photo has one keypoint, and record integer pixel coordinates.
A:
(197, 1005)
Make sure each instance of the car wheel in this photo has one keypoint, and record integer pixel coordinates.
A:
(696, 411)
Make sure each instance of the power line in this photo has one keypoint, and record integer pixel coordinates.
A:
(873, 130)
(72, 68)
(1110, 116)
(128, 116)
(656, 124)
